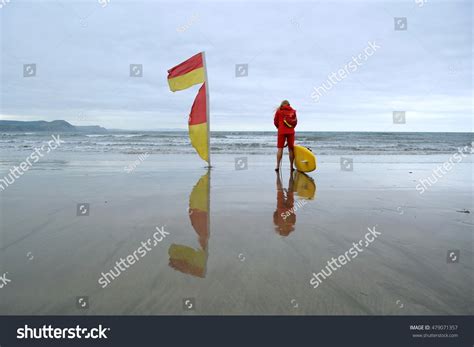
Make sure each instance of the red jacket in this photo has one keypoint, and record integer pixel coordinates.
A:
(287, 113)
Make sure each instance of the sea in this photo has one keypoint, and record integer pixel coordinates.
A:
(176, 142)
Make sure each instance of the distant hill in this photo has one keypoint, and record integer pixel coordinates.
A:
(59, 126)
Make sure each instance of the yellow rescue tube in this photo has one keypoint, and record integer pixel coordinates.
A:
(305, 160)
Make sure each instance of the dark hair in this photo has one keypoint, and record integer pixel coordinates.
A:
(285, 102)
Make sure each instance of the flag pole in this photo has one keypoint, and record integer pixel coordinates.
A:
(208, 118)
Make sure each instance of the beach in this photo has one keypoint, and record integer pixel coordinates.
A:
(252, 259)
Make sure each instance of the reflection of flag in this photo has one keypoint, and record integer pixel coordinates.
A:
(188, 260)
(183, 76)
(184, 258)
(199, 209)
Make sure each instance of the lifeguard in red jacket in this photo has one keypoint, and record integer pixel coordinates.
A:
(285, 120)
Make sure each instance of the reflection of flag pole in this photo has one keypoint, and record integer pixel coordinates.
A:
(208, 118)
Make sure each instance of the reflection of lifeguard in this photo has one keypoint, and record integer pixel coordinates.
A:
(184, 258)
(284, 216)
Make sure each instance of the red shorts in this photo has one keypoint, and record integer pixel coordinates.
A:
(290, 139)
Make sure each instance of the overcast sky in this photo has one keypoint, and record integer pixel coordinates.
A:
(83, 51)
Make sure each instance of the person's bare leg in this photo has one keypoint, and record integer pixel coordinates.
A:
(292, 158)
(279, 156)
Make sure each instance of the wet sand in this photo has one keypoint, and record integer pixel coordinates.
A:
(254, 262)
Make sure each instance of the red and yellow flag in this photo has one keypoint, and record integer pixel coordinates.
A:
(183, 76)
(197, 123)
(187, 74)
